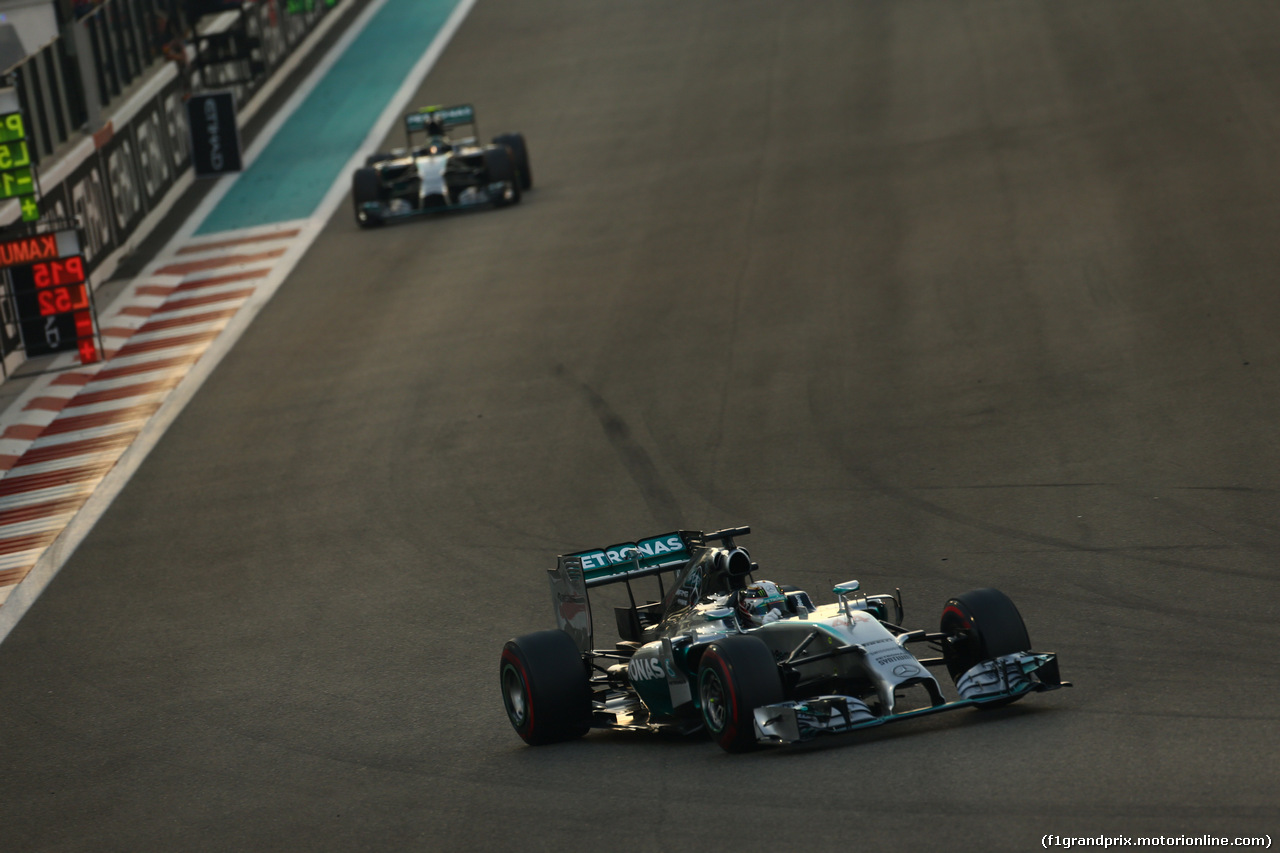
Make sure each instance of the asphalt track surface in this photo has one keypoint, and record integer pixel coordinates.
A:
(932, 295)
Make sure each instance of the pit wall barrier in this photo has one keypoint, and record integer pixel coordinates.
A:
(119, 181)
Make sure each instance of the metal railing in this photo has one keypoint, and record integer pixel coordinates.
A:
(121, 41)
(51, 97)
(244, 55)
(127, 38)
(65, 87)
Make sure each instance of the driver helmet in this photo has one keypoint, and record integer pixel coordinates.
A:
(760, 602)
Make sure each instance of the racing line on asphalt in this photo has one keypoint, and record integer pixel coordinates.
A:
(69, 444)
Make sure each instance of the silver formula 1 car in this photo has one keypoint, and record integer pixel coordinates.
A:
(436, 173)
(751, 662)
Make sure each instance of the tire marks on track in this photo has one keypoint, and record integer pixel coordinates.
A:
(639, 464)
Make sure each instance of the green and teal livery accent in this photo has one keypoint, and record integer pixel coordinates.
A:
(631, 559)
(444, 116)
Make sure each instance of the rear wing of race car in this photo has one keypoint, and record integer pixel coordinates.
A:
(575, 573)
(443, 117)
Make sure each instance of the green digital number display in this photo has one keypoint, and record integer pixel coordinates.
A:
(15, 183)
(12, 128)
(296, 7)
(14, 155)
(16, 178)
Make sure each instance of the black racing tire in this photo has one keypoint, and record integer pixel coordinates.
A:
(366, 186)
(981, 624)
(500, 166)
(735, 676)
(545, 687)
(520, 153)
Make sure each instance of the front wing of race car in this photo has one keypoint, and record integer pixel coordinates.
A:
(499, 192)
(1000, 680)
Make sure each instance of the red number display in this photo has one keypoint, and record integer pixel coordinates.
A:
(50, 294)
(63, 299)
(60, 272)
(84, 337)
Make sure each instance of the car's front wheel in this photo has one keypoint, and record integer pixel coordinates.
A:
(545, 687)
(980, 625)
(501, 168)
(735, 676)
(366, 188)
(514, 142)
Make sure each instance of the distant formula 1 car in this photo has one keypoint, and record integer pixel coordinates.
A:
(435, 173)
(750, 661)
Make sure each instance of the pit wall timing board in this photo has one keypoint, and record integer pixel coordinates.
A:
(50, 286)
(17, 178)
(108, 185)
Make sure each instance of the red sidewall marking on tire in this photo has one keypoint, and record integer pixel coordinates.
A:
(730, 730)
(512, 660)
(959, 614)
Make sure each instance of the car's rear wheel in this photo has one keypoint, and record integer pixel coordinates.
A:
(366, 187)
(501, 167)
(736, 675)
(545, 687)
(980, 625)
(514, 142)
